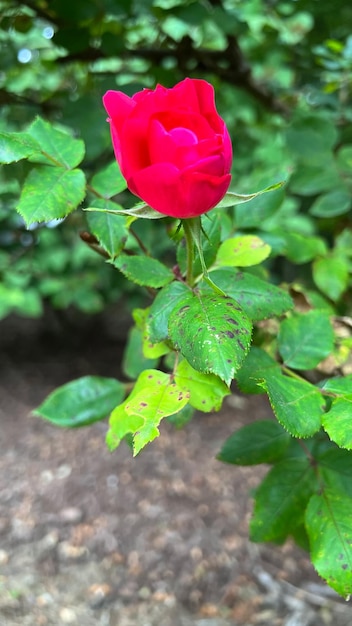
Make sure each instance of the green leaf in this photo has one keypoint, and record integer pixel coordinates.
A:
(297, 404)
(50, 193)
(154, 397)
(258, 298)
(109, 181)
(257, 365)
(344, 160)
(56, 146)
(150, 349)
(305, 340)
(330, 275)
(264, 441)
(140, 210)
(242, 251)
(110, 230)
(24, 301)
(212, 333)
(82, 401)
(182, 417)
(154, 350)
(309, 181)
(341, 386)
(206, 391)
(328, 522)
(134, 361)
(144, 270)
(166, 300)
(281, 499)
(301, 248)
(16, 146)
(336, 202)
(259, 209)
(311, 139)
(337, 422)
(335, 469)
(231, 198)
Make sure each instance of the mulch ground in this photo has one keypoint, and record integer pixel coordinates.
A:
(94, 538)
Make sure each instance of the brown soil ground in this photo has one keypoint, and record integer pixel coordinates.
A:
(93, 538)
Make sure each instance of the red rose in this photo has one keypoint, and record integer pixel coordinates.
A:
(172, 146)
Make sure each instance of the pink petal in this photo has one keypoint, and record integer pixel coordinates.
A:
(203, 191)
(227, 150)
(158, 185)
(179, 146)
(176, 118)
(118, 107)
(183, 137)
(178, 194)
(213, 165)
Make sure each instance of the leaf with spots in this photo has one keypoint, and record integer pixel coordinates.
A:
(212, 332)
(258, 298)
(328, 522)
(207, 391)
(155, 396)
(151, 349)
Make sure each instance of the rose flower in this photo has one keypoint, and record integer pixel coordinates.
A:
(172, 146)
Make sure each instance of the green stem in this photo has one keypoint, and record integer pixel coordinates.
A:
(292, 374)
(187, 229)
(192, 228)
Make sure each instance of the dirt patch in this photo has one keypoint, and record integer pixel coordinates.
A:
(88, 537)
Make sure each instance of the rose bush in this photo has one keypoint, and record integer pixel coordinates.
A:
(172, 146)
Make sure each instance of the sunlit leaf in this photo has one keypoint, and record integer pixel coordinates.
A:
(207, 391)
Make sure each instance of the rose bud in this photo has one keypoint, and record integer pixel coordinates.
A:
(172, 146)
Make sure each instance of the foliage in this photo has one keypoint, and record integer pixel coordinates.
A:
(267, 301)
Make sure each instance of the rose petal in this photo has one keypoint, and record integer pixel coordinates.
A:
(227, 150)
(173, 147)
(203, 191)
(158, 185)
(118, 107)
(213, 165)
(179, 146)
(178, 194)
(177, 118)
